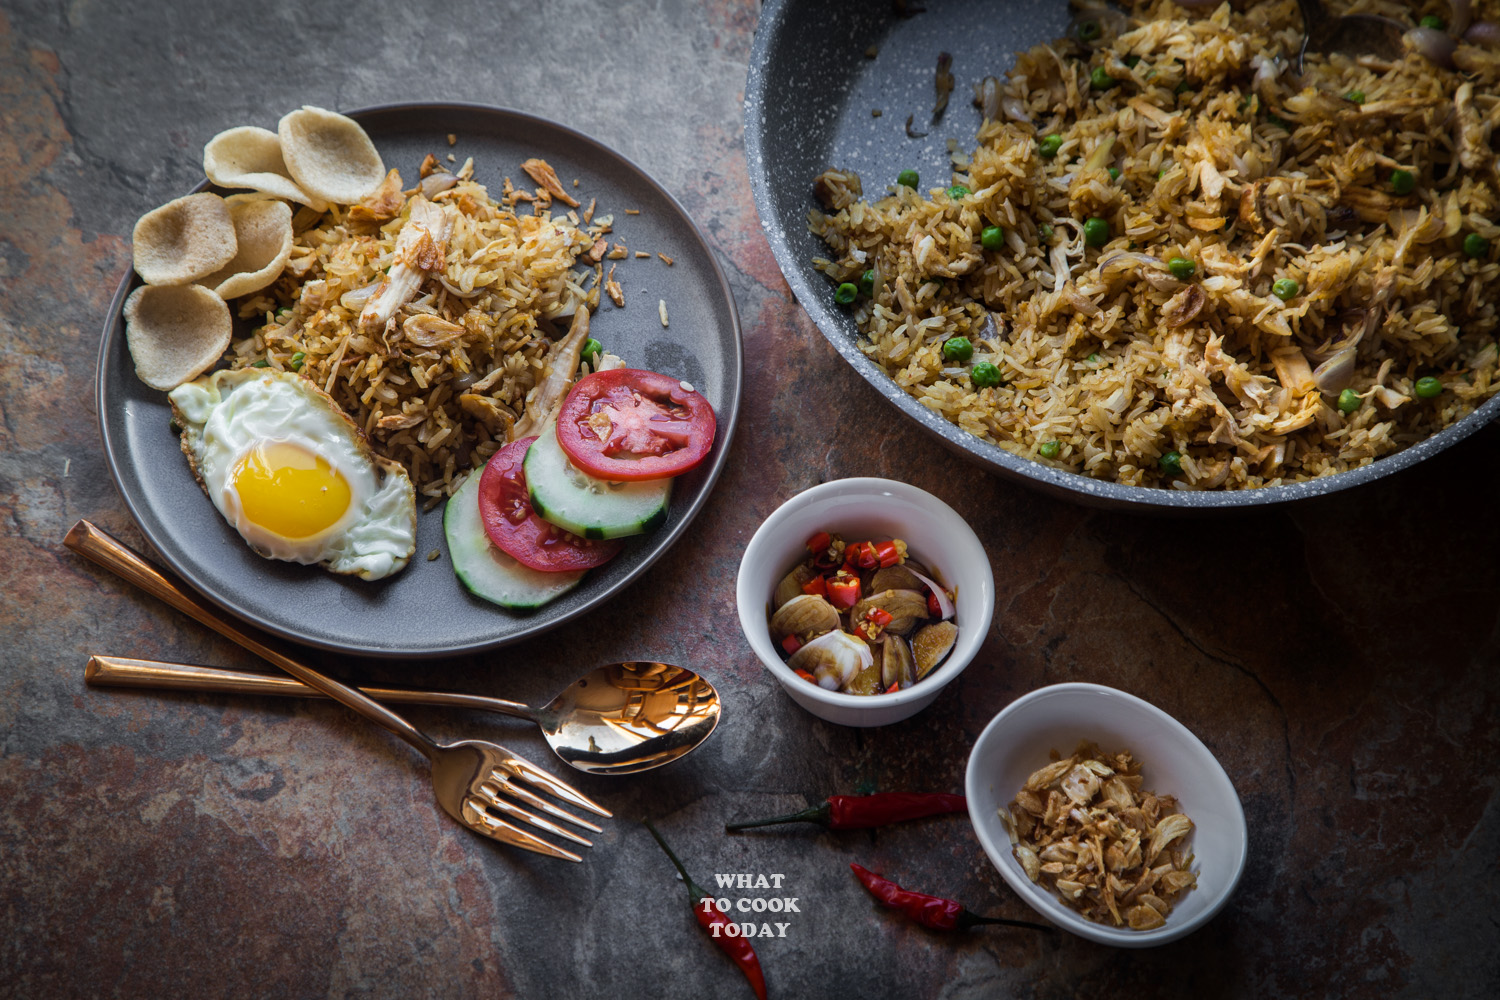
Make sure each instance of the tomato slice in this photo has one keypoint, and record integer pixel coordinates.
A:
(625, 425)
(519, 531)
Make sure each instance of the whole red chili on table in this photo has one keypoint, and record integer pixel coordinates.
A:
(737, 947)
(930, 911)
(861, 812)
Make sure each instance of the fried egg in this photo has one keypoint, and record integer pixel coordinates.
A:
(293, 474)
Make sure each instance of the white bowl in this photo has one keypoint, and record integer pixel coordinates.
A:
(1173, 762)
(857, 509)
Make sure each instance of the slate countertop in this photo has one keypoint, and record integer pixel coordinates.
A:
(1339, 657)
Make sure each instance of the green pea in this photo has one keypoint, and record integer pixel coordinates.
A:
(1181, 268)
(1100, 79)
(1132, 61)
(1348, 401)
(1089, 30)
(1285, 289)
(867, 282)
(1096, 232)
(1045, 231)
(1476, 245)
(957, 349)
(908, 178)
(1433, 21)
(1356, 96)
(1429, 387)
(262, 363)
(846, 293)
(957, 192)
(1050, 449)
(1171, 463)
(984, 375)
(1402, 181)
(592, 349)
(1114, 173)
(297, 358)
(1093, 359)
(1048, 145)
(993, 238)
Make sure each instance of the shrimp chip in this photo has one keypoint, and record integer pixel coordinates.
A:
(329, 155)
(263, 230)
(250, 157)
(175, 332)
(183, 240)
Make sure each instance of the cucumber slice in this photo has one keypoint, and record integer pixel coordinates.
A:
(575, 501)
(486, 571)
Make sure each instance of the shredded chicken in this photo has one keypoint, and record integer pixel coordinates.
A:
(420, 248)
(543, 402)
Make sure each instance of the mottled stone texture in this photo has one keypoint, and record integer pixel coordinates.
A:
(1339, 658)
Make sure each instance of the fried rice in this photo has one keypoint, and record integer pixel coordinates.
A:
(1113, 365)
(440, 386)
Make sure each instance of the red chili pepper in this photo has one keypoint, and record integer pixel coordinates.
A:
(791, 644)
(817, 585)
(895, 686)
(862, 555)
(861, 812)
(933, 607)
(843, 591)
(879, 616)
(930, 911)
(737, 947)
(806, 676)
(887, 553)
(819, 542)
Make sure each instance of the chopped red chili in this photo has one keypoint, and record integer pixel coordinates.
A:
(709, 918)
(895, 686)
(933, 607)
(806, 676)
(861, 812)
(819, 542)
(879, 616)
(862, 555)
(791, 644)
(887, 552)
(817, 585)
(930, 911)
(843, 590)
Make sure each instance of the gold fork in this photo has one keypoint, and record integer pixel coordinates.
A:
(475, 782)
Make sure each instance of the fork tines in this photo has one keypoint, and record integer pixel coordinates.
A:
(492, 797)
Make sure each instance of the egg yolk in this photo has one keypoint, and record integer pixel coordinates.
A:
(286, 489)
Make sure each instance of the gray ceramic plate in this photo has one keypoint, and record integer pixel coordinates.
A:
(808, 106)
(423, 611)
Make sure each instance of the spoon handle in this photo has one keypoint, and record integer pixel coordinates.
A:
(120, 559)
(114, 671)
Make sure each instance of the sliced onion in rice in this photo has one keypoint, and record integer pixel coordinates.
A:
(1486, 33)
(357, 298)
(987, 97)
(945, 603)
(436, 183)
(1432, 43)
(1335, 374)
(1461, 12)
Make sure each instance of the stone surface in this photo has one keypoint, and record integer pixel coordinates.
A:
(1338, 657)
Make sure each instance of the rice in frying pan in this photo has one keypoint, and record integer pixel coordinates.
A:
(1341, 229)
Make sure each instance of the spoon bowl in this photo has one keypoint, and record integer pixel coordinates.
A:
(620, 719)
(1351, 34)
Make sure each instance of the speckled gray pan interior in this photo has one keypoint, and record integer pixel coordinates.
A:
(424, 611)
(808, 105)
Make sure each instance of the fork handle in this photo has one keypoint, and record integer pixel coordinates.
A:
(117, 557)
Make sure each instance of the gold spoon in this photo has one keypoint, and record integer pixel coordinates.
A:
(619, 719)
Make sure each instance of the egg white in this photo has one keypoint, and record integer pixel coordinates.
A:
(225, 415)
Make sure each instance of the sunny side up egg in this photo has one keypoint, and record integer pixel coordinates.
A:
(293, 474)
